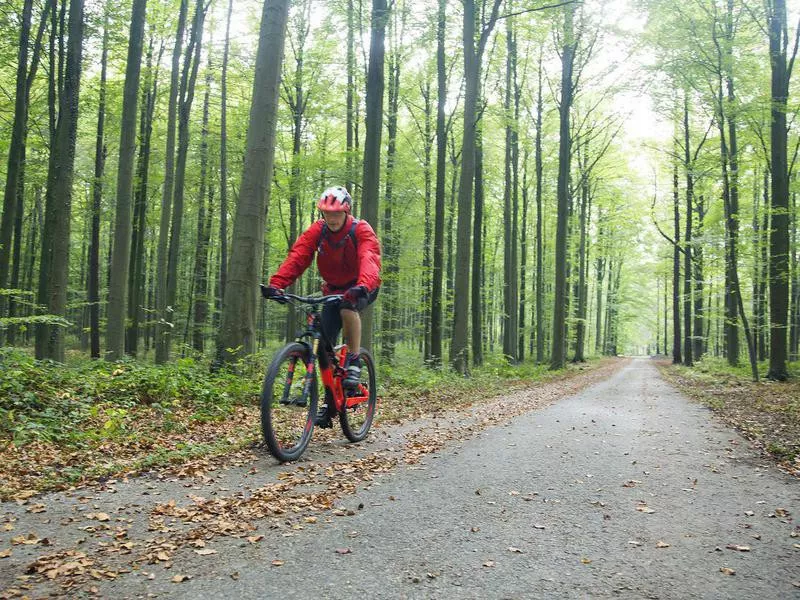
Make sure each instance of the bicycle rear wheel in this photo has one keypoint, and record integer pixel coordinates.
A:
(357, 419)
(289, 402)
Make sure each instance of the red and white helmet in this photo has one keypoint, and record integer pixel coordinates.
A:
(335, 199)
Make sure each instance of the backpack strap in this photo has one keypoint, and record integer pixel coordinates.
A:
(325, 233)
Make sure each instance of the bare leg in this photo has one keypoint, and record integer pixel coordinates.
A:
(351, 326)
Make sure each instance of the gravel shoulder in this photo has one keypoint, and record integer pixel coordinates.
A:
(621, 489)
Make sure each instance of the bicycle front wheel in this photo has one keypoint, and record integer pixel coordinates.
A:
(356, 418)
(289, 402)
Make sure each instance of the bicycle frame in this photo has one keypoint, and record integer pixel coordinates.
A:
(331, 372)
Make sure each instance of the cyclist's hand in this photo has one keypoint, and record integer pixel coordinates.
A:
(354, 295)
(273, 293)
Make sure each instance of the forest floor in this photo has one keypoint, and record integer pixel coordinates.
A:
(75, 433)
(767, 413)
(603, 482)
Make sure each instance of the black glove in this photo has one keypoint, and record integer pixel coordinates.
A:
(273, 293)
(355, 297)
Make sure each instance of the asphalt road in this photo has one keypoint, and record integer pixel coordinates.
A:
(625, 490)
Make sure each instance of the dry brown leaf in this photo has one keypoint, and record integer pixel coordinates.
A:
(661, 544)
(205, 551)
(5, 553)
(645, 509)
(37, 508)
(514, 549)
(180, 578)
(727, 571)
(738, 547)
(277, 563)
(344, 551)
(253, 539)
(586, 561)
(489, 563)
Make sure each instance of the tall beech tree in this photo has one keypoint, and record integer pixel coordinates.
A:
(120, 262)
(237, 329)
(568, 49)
(54, 264)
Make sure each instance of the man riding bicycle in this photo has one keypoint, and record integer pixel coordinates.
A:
(349, 261)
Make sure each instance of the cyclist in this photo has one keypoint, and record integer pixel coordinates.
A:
(349, 261)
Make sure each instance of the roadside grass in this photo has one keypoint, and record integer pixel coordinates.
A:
(767, 413)
(65, 425)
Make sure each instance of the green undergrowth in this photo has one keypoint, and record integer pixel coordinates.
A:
(62, 425)
(86, 402)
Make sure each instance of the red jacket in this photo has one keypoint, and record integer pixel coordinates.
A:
(341, 263)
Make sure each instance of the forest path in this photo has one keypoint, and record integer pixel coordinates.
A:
(623, 490)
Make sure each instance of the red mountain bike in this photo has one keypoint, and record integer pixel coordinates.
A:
(290, 394)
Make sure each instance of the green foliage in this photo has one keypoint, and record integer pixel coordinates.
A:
(97, 400)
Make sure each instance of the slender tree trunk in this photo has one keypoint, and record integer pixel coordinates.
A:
(237, 330)
(137, 269)
(583, 219)
(97, 196)
(779, 232)
(389, 308)
(15, 155)
(426, 259)
(699, 337)
(564, 158)
(676, 273)
(223, 164)
(510, 201)
(200, 278)
(54, 266)
(458, 346)
(523, 239)
(539, 225)
(164, 320)
(372, 141)
(185, 99)
(120, 262)
(441, 166)
(687, 245)
(478, 226)
(350, 158)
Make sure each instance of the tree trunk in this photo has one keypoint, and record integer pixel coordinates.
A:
(441, 166)
(779, 232)
(120, 262)
(511, 203)
(523, 240)
(167, 192)
(223, 164)
(136, 274)
(687, 245)
(676, 272)
(389, 308)
(372, 141)
(203, 232)
(699, 337)
(458, 346)
(478, 227)
(564, 158)
(237, 330)
(583, 219)
(539, 225)
(97, 197)
(54, 266)
(185, 99)
(15, 156)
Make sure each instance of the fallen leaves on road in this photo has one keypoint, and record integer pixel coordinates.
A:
(738, 548)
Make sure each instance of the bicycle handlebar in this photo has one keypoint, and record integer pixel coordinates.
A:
(307, 299)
